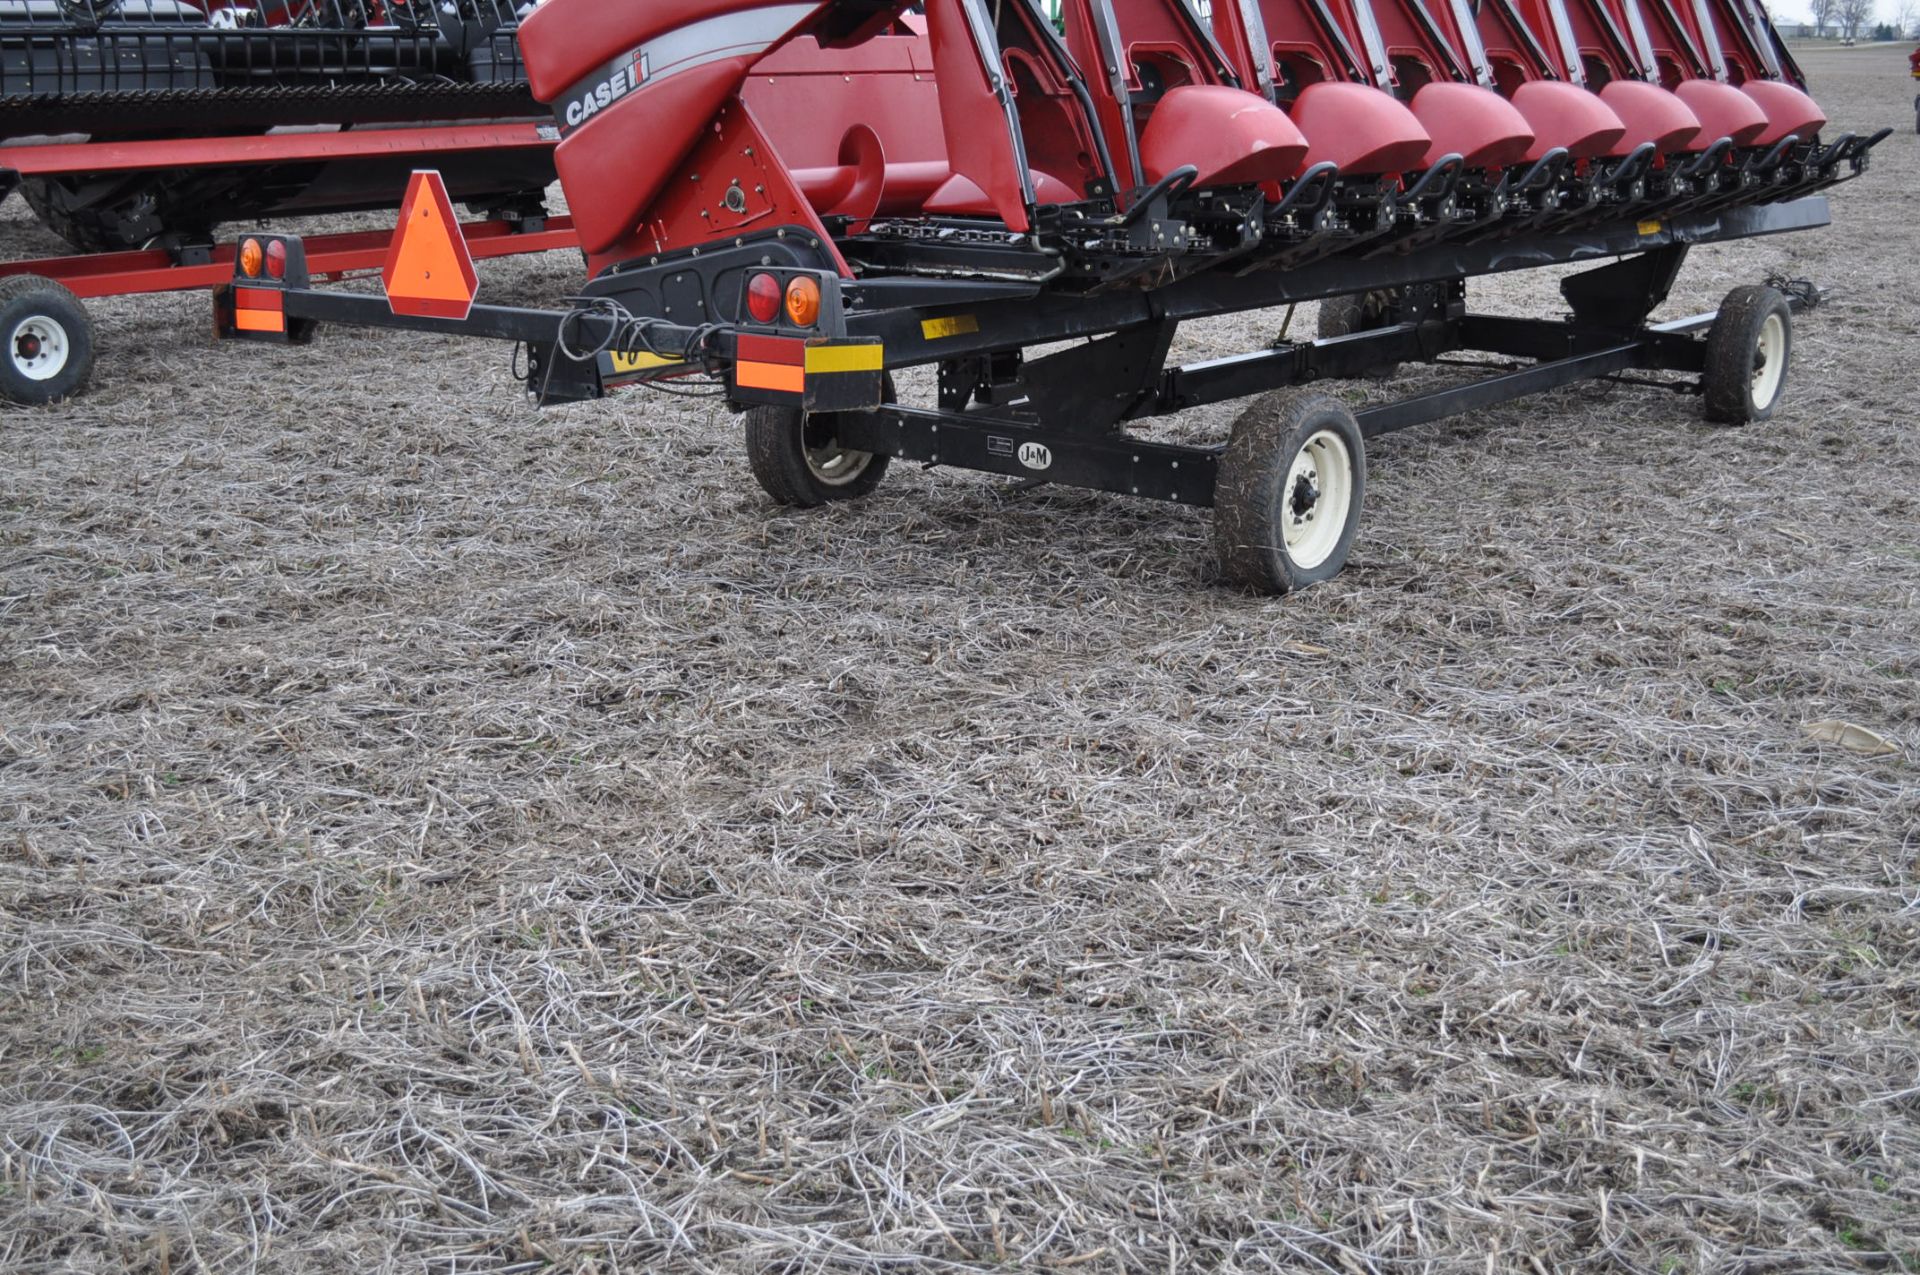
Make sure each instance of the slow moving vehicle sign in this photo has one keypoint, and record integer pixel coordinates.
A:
(429, 272)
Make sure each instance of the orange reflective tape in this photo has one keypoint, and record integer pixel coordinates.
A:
(771, 376)
(259, 321)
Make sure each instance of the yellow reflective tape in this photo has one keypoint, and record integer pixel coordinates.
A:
(1650, 227)
(641, 361)
(846, 358)
(952, 325)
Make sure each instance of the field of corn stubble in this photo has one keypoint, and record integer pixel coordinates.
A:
(437, 836)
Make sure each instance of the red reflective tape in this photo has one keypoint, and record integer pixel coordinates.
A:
(426, 308)
(771, 349)
(771, 376)
(259, 299)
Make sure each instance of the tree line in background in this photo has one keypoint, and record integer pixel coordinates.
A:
(1848, 18)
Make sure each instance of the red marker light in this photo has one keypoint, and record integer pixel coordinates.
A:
(277, 259)
(763, 298)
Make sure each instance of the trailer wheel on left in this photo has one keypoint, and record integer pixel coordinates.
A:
(49, 341)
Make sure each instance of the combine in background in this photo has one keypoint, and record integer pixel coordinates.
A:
(203, 86)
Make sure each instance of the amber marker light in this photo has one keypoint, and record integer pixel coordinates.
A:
(803, 302)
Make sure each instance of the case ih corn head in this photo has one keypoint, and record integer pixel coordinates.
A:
(787, 202)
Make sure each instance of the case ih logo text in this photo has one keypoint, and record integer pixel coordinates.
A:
(622, 78)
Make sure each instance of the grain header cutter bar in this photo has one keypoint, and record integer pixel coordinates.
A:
(787, 202)
(148, 67)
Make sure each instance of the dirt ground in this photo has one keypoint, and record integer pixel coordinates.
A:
(439, 836)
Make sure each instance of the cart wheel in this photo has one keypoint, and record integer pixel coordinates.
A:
(798, 463)
(1360, 312)
(49, 341)
(1747, 352)
(1287, 500)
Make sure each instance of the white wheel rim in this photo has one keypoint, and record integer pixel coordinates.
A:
(1317, 499)
(837, 466)
(39, 348)
(1769, 361)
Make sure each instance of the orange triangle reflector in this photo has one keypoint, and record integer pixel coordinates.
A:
(429, 272)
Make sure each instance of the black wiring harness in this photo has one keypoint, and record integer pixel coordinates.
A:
(627, 331)
(1805, 293)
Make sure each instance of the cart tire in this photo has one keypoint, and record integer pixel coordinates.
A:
(48, 353)
(1360, 312)
(1748, 349)
(794, 473)
(1291, 485)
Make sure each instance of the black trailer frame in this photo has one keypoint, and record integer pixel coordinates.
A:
(1061, 416)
